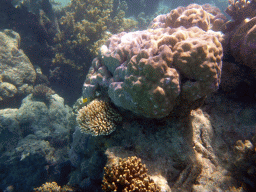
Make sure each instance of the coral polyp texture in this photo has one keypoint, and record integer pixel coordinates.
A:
(206, 17)
(128, 175)
(98, 118)
(148, 71)
(241, 9)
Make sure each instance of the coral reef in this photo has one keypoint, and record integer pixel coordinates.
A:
(17, 74)
(98, 118)
(239, 48)
(33, 138)
(241, 9)
(85, 26)
(205, 17)
(53, 187)
(189, 154)
(243, 165)
(242, 43)
(42, 92)
(146, 71)
(128, 175)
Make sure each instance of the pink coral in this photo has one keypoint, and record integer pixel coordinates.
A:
(146, 71)
(205, 17)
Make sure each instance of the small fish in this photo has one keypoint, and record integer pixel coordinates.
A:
(85, 100)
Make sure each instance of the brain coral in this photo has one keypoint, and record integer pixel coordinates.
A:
(146, 71)
(128, 175)
(98, 118)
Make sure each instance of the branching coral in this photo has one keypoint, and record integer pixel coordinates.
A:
(128, 175)
(87, 24)
(53, 187)
(98, 118)
(84, 26)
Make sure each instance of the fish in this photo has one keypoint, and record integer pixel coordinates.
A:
(85, 100)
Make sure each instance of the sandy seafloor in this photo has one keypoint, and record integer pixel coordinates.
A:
(205, 143)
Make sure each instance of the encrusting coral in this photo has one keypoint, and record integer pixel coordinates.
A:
(128, 175)
(98, 118)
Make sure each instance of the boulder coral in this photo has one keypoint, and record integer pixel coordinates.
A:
(205, 17)
(147, 71)
(17, 74)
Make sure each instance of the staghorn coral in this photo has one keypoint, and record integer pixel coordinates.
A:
(146, 71)
(241, 9)
(98, 118)
(128, 175)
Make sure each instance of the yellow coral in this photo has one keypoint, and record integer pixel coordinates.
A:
(128, 175)
(98, 118)
(53, 187)
(48, 187)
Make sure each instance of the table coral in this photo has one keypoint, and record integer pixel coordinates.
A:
(98, 118)
(146, 71)
(128, 175)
